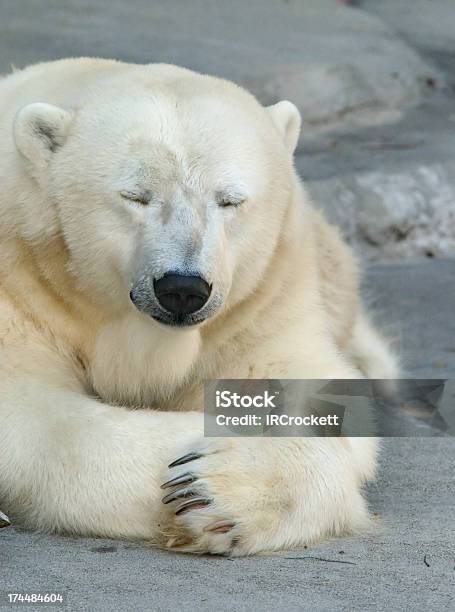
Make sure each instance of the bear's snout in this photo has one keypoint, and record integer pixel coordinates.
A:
(180, 294)
(173, 299)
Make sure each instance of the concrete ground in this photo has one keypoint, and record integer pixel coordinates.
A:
(409, 562)
(407, 565)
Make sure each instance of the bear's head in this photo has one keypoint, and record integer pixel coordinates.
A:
(169, 197)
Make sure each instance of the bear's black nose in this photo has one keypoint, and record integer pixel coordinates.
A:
(180, 294)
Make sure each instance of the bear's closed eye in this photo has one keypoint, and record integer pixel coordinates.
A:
(143, 199)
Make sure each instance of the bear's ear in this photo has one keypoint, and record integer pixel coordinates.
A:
(286, 118)
(39, 130)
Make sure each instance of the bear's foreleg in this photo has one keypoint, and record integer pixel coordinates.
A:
(69, 463)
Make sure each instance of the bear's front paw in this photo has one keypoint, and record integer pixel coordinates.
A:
(226, 497)
(241, 496)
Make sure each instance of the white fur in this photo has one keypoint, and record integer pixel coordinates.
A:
(76, 356)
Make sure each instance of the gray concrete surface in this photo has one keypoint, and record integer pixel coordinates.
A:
(408, 564)
(279, 49)
(383, 167)
(415, 305)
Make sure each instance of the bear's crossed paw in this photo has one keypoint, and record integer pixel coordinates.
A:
(226, 497)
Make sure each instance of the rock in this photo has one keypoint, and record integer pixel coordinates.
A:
(394, 215)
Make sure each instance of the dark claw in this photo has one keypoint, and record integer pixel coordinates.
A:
(178, 494)
(195, 502)
(186, 459)
(183, 479)
(4, 520)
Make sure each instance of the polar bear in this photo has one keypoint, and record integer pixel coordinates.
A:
(154, 234)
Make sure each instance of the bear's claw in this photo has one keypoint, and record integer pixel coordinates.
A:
(4, 520)
(192, 456)
(178, 480)
(193, 504)
(178, 494)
